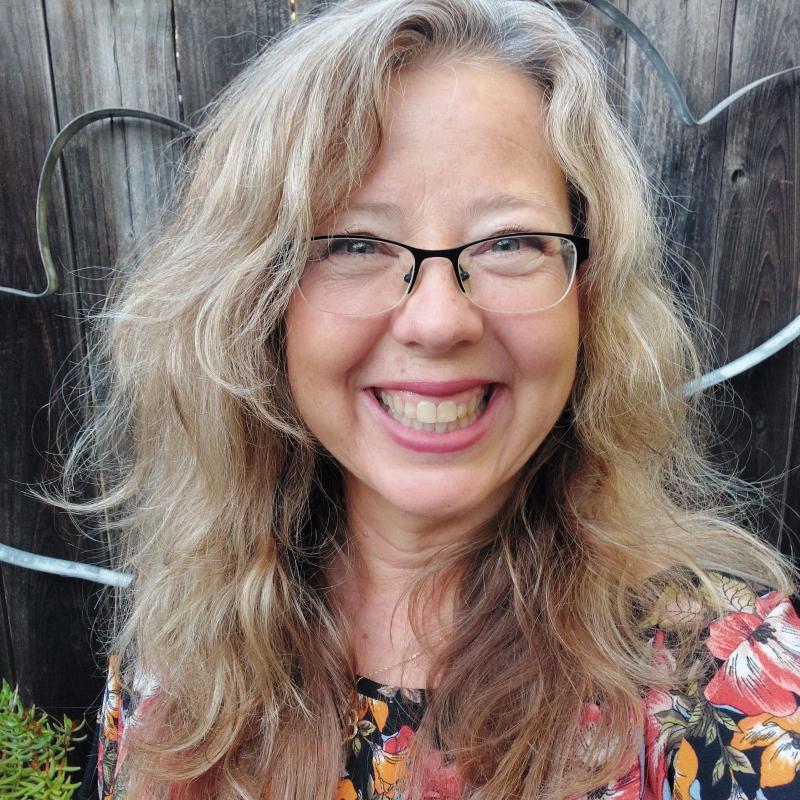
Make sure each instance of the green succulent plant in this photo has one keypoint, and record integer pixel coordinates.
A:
(33, 751)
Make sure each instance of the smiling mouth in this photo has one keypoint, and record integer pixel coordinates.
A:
(444, 416)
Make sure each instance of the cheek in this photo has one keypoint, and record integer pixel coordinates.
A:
(546, 350)
(323, 356)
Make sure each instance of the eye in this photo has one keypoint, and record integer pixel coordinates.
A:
(527, 244)
(351, 247)
(511, 245)
(507, 244)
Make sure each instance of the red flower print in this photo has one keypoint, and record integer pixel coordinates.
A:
(657, 700)
(440, 781)
(399, 742)
(761, 651)
(627, 786)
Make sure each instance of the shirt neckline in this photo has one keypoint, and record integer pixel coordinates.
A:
(370, 688)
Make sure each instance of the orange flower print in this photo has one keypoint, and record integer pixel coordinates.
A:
(686, 765)
(345, 790)
(387, 770)
(379, 711)
(780, 738)
(388, 762)
(110, 721)
(761, 651)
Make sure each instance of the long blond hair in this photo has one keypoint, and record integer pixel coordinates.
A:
(225, 509)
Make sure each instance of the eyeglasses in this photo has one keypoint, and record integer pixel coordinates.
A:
(365, 276)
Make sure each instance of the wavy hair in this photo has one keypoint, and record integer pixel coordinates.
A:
(227, 511)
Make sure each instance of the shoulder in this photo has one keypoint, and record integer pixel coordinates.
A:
(120, 709)
(734, 731)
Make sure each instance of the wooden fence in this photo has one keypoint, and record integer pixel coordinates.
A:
(736, 182)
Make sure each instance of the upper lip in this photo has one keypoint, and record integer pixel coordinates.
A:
(435, 388)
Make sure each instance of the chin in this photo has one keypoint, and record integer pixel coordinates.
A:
(436, 506)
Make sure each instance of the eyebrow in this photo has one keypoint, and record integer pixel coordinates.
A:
(489, 202)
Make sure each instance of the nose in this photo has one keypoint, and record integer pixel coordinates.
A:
(437, 316)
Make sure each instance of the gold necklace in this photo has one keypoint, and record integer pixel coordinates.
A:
(404, 661)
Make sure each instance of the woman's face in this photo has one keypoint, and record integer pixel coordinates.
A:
(457, 135)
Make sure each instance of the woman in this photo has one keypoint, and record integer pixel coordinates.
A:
(413, 498)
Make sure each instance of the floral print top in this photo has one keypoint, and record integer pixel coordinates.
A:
(734, 736)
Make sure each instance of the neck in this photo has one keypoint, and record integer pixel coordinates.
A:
(388, 552)
(391, 546)
(389, 549)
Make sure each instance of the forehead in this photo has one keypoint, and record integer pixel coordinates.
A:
(453, 92)
(462, 141)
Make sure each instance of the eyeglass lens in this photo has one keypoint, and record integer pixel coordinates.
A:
(509, 273)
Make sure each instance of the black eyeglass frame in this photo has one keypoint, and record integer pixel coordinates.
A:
(420, 254)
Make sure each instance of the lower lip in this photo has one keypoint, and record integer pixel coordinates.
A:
(429, 441)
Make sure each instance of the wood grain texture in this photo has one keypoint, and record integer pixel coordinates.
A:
(113, 54)
(736, 185)
(684, 163)
(45, 628)
(118, 172)
(97, 54)
(215, 42)
(606, 39)
(755, 286)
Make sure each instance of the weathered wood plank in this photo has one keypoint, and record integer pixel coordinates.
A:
(605, 38)
(117, 171)
(45, 641)
(35, 334)
(29, 123)
(738, 178)
(103, 54)
(216, 41)
(790, 500)
(755, 289)
(684, 163)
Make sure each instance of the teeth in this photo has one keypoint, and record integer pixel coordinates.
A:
(447, 412)
(426, 415)
(426, 411)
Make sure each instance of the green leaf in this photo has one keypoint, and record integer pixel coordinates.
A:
(696, 716)
(674, 739)
(739, 595)
(671, 717)
(34, 750)
(724, 719)
(739, 761)
(719, 770)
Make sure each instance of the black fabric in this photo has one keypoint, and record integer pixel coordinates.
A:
(88, 788)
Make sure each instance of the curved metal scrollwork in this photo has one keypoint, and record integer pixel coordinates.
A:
(780, 340)
(46, 182)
